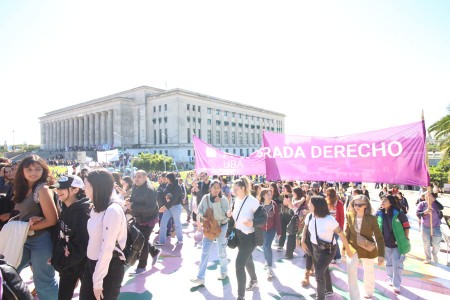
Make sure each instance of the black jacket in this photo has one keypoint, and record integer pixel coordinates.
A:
(161, 189)
(143, 202)
(175, 191)
(73, 234)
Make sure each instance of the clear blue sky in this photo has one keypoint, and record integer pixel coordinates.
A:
(333, 67)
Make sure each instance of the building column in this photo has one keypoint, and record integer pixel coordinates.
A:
(53, 135)
(75, 132)
(66, 133)
(102, 127)
(80, 132)
(57, 135)
(91, 130)
(110, 128)
(42, 136)
(86, 130)
(48, 135)
(63, 134)
(97, 128)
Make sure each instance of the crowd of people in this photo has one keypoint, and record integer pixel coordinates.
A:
(79, 225)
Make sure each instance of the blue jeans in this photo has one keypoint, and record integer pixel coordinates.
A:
(269, 235)
(338, 250)
(394, 265)
(175, 213)
(221, 250)
(429, 242)
(38, 251)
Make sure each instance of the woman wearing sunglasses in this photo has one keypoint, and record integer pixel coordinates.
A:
(360, 229)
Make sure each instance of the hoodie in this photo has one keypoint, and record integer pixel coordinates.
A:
(69, 250)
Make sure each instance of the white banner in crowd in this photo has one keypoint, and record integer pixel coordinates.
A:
(108, 156)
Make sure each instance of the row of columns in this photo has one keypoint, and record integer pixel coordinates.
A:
(84, 131)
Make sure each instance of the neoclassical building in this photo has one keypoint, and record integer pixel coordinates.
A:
(146, 119)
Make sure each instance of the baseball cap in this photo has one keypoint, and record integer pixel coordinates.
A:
(315, 185)
(66, 182)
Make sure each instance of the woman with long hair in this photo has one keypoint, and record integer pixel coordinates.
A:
(360, 221)
(322, 227)
(286, 214)
(336, 208)
(245, 206)
(219, 204)
(272, 227)
(34, 201)
(107, 228)
(124, 189)
(394, 225)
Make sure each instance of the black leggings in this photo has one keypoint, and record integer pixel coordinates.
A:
(244, 260)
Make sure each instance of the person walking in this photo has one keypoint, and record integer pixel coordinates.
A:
(360, 228)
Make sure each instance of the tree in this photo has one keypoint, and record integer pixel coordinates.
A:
(438, 175)
(441, 130)
(153, 162)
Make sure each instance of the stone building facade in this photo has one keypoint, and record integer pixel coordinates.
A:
(147, 119)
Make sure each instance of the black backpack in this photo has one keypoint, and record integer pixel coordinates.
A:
(13, 285)
(134, 245)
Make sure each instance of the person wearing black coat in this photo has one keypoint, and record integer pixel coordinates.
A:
(143, 205)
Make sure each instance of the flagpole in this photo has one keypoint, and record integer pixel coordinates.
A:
(429, 204)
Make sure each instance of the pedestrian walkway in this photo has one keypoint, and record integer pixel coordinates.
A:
(170, 277)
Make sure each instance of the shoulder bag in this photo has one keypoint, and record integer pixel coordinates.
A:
(232, 238)
(211, 228)
(362, 241)
(324, 246)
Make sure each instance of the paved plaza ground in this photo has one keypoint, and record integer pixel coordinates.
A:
(169, 278)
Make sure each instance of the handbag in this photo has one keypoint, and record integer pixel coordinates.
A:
(232, 238)
(293, 225)
(363, 242)
(211, 228)
(324, 246)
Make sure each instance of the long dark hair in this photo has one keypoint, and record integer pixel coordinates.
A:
(102, 185)
(129, 182)
(21, 183)
(276, 192)
(214, 182)
(320, 206)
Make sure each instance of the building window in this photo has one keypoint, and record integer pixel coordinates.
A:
(193, 131)
(226, 123)
(252, 118)
(240, 125)
(189, 136)
(208, 122)
(154, 151)
(233, 138)
(225, 113)
(248, 152)
(257, 119)
(253, 138)
(218, 112)
(226, 150)
(160, 152)
(188, 106)
(198, 108)
(189, 152)
(160, 136)
(209, 137)
(193, 107)
(193, 120)
(218, 122)
(246, 117)
(199, 134)
(217, 137)
(160, 120)
(188, 119)
(167, 152)
(154, 109)
(241, 138)
(165, 119)
(165, 136)
(165, 107)
(209, 111)
(234, 151)
(199, 120)
(258, 137)
(225, 137)
(246, 139)
(241, 152)
(154, 136)
(246, 125)
(154, 120)
(233, 124)
(240, 116)
(160, 108)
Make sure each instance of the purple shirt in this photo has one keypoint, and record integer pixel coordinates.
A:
(423, 206)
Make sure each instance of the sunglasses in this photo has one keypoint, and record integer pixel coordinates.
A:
(359, 204)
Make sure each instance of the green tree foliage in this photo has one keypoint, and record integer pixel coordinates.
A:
(153, 162)
(439, 174)
(441, 131)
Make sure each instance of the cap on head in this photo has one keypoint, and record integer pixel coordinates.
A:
(66, 182)
(315, 185)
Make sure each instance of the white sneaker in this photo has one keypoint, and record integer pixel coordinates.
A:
(222, 276)
(337, 261)
(252, 284)
(397, 290)
(198, 281)
(333, 262)
(270, 273)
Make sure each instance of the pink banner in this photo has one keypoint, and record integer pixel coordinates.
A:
(394, 155)
(216, 162)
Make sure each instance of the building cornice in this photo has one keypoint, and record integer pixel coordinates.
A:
(100, 100)
(211, 98)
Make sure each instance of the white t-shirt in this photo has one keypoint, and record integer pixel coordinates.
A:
(358, 224)
(247, 213)
(325, 228)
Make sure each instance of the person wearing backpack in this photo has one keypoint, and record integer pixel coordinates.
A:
(219, 205)
(69, 249)
(423, 212)
(107, 228)
(143, 206)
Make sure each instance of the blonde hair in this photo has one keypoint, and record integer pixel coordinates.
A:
(367, 210)
(244, 182)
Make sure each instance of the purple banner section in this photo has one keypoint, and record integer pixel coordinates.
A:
(394, 155)
(216, 162)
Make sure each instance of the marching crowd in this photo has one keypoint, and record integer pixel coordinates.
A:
(78, 226)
